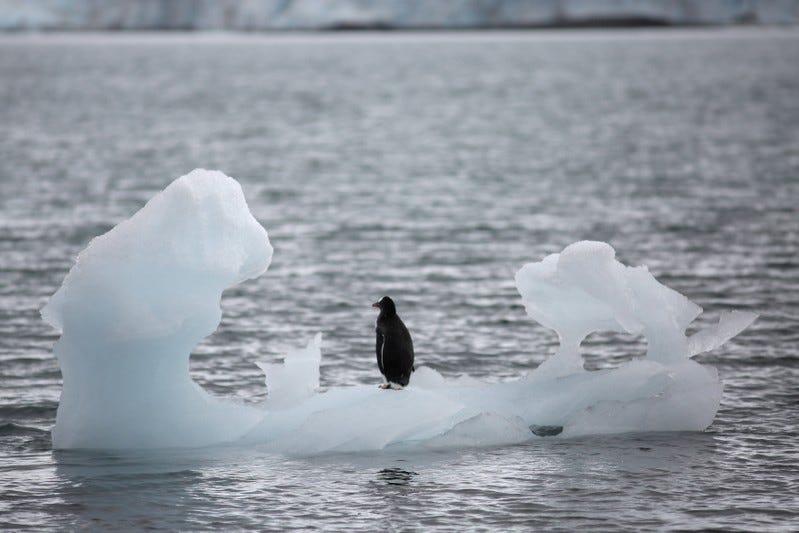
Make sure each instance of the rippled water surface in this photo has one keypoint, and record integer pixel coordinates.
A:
(428, 167)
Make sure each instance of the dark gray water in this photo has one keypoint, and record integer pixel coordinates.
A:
(428, 167)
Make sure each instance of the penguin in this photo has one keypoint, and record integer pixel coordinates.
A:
(394, 346)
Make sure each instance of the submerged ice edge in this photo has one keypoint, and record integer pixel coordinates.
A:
(141, 296)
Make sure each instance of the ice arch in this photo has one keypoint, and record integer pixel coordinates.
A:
(584, 289)
(141, 296)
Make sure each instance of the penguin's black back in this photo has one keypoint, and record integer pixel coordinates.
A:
(394, 347)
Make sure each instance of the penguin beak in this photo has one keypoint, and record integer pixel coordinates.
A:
(375, 304)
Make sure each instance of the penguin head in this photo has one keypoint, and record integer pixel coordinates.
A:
(386, 305)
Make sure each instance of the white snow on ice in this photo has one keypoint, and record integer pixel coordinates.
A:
(141, 296)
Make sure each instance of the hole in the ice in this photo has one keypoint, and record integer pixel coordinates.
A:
(608, 349)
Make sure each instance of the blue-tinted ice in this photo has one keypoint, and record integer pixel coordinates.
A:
(141, 296)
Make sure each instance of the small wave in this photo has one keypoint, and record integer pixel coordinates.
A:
(10, 429)
(21, 438)
(45, 409)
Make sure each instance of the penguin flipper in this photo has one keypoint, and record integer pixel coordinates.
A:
(379, 351)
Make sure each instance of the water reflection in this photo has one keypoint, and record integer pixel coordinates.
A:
(130, 489)
(233, 487)
(395, 476)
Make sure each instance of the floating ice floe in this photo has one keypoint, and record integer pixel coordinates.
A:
(140, 297)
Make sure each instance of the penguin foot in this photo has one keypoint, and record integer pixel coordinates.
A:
(384, 386)
(394, 386)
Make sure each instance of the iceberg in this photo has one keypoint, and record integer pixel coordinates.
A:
(381, 14)
(140, 297)
(134, 305)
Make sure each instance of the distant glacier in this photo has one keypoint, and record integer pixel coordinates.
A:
(255, 15)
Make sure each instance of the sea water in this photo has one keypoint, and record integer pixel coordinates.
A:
(430, 168)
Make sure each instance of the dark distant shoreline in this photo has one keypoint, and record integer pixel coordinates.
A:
(385, 15)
